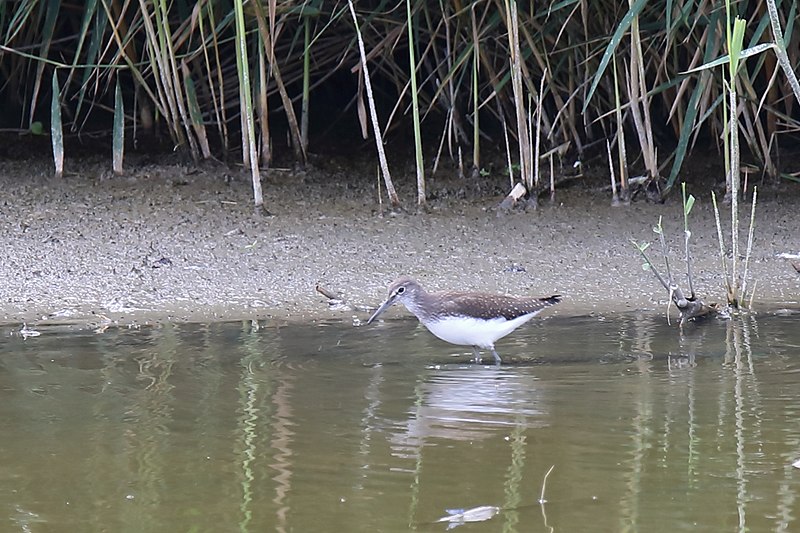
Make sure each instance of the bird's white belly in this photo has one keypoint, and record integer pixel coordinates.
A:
(469, 331)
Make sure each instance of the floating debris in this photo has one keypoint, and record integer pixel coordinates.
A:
(26, 332)
(457, 517)
(796, 464)
(65, 312)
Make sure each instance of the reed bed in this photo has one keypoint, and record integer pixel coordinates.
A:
(230, 79)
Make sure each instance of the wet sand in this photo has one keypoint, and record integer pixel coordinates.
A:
(169, 242)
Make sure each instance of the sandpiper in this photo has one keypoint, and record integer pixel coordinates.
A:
(465, 318)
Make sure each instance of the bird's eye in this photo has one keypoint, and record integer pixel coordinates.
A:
(401, 290)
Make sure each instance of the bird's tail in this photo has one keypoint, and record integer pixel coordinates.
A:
(551, 300)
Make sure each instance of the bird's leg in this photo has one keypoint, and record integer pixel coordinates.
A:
(497, 359)
(477, 354)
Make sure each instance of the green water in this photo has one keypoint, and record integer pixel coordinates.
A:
(331, 427)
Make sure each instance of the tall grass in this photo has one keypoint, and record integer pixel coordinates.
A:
(412, 73)
(186, 68)
(249, 143)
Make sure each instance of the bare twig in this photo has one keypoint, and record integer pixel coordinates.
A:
(749, 251)
(721, 246)
(688, 308)
(664, 250)
(688, 203)
(614, 196)
(327, 293)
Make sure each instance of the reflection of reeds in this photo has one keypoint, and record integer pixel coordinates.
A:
(747, 422)
(514, 475)
(281, 441)
(247, 428)
(249, 423)
(699, 420)
(153, 411)
(641, 425)
(192, 69)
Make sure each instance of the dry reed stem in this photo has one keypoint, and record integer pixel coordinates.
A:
(390, 190)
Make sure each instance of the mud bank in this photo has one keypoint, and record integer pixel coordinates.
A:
(170, 242)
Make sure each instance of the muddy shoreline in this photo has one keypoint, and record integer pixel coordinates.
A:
(170, 242)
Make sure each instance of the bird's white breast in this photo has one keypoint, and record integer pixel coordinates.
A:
(470, 331)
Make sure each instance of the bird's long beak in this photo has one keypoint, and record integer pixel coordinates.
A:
(384, 306)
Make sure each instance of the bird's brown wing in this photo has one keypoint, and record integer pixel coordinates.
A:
(489, 306)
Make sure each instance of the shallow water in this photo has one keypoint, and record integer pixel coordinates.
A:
(258, 427)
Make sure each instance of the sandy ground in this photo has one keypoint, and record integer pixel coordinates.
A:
(171, 242)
